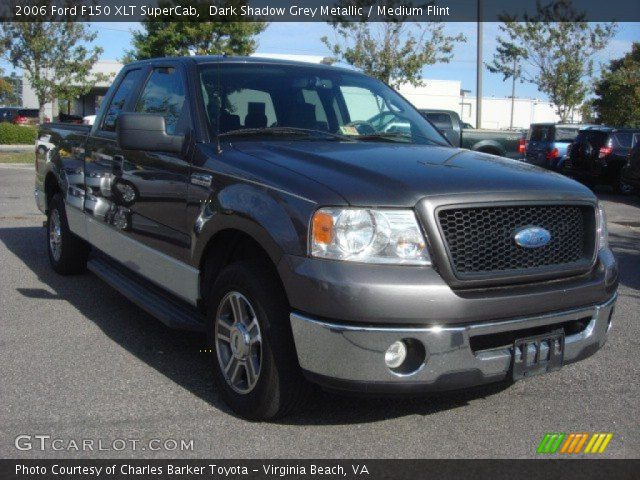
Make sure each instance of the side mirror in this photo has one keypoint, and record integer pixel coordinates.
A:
(146, 131)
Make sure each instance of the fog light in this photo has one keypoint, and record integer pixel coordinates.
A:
(395, 354)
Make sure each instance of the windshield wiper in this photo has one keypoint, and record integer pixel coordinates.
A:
(394, 136)
(285, 131)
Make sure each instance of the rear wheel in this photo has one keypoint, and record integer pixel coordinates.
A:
(67, 252)
(621, 187)
(255, 365)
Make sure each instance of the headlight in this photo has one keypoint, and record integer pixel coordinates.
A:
(369, 236)
(601, 229)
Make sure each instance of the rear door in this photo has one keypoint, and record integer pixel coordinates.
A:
(622, 143)
(585, 150)
(563, 137)
(539, 138)
(103, 159)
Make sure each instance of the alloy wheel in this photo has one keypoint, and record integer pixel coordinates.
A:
(238, 342)
(55, 235)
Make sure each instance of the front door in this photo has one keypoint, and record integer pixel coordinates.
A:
(152, 186)
(136, 200)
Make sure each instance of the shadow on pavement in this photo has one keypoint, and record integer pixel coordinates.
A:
(176, 354)
(630, 200)
(626, 248)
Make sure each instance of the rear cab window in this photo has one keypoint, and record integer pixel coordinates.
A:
(625, 139)
(249, 108)
(540, 133)
(440, 120)
(565, 135)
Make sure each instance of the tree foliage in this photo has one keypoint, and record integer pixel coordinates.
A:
(557, 47)
(161, 38)
(10, 87)
(617, 91)
(394, 52)
(54, 57)
(507, 60)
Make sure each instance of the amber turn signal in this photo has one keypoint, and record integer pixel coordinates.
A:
(322, 228)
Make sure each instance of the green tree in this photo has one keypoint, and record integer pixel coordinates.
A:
(394, 52)
(617, 91)
(162, 38)
(557, 47)
(587, 112)
(5, 89)
(507, 60)
(53, 56)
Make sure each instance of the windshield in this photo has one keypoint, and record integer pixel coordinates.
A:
(246, 99)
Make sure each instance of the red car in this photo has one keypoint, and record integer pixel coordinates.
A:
(20, 116)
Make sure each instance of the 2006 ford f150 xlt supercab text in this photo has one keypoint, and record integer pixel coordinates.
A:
(268, 204)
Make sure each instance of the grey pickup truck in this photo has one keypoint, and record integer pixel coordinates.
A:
(266, 203)
(505, 143)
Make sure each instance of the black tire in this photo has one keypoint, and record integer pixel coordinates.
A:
(280, 387)
(620, 187)
(73, 251)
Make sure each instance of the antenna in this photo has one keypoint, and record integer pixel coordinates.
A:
(218, 107)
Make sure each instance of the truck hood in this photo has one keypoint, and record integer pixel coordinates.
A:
(382, 174)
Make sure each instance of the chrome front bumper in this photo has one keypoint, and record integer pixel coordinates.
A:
(39, 197)
(352, 357)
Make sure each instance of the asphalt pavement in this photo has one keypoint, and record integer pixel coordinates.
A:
(78, 362)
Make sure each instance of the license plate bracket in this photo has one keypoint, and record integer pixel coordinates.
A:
(537, 354)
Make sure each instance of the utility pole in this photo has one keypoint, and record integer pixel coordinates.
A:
(479, 69)
(513, 90)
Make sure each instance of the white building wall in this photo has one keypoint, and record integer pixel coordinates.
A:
(436, 94)
(496, 111)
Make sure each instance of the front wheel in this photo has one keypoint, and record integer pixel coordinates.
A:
(67, 252)
(255, 365)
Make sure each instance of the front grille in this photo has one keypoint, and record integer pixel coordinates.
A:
(480, 241)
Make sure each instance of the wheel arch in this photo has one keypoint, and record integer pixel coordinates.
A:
(51, 187)
(233, 244)
(489, 147)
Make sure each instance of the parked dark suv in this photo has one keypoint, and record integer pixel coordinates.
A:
(598, 155)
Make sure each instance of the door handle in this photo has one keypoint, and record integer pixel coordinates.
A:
(201, 179)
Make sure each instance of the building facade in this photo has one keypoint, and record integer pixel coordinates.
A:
(83, 105)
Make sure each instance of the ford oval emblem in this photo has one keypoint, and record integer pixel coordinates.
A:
(532, 237)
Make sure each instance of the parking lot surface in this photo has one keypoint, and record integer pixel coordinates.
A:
(80, 362)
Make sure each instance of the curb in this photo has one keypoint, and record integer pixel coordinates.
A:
(16, 148)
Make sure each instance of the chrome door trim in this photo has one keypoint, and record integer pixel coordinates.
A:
(167, 272)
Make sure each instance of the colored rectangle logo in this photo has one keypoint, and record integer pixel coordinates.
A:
(574, 443)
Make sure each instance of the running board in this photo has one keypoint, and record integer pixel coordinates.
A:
(170, 310)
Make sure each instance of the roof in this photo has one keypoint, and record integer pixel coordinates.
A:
(561, 125)
(609, 129)
(203, 59)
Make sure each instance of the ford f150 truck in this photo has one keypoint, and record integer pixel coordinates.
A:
(264, 203)
(505, 143)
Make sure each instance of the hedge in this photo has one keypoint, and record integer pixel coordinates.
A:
(11, 134)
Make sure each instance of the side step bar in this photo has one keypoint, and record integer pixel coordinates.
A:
(170, 310)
